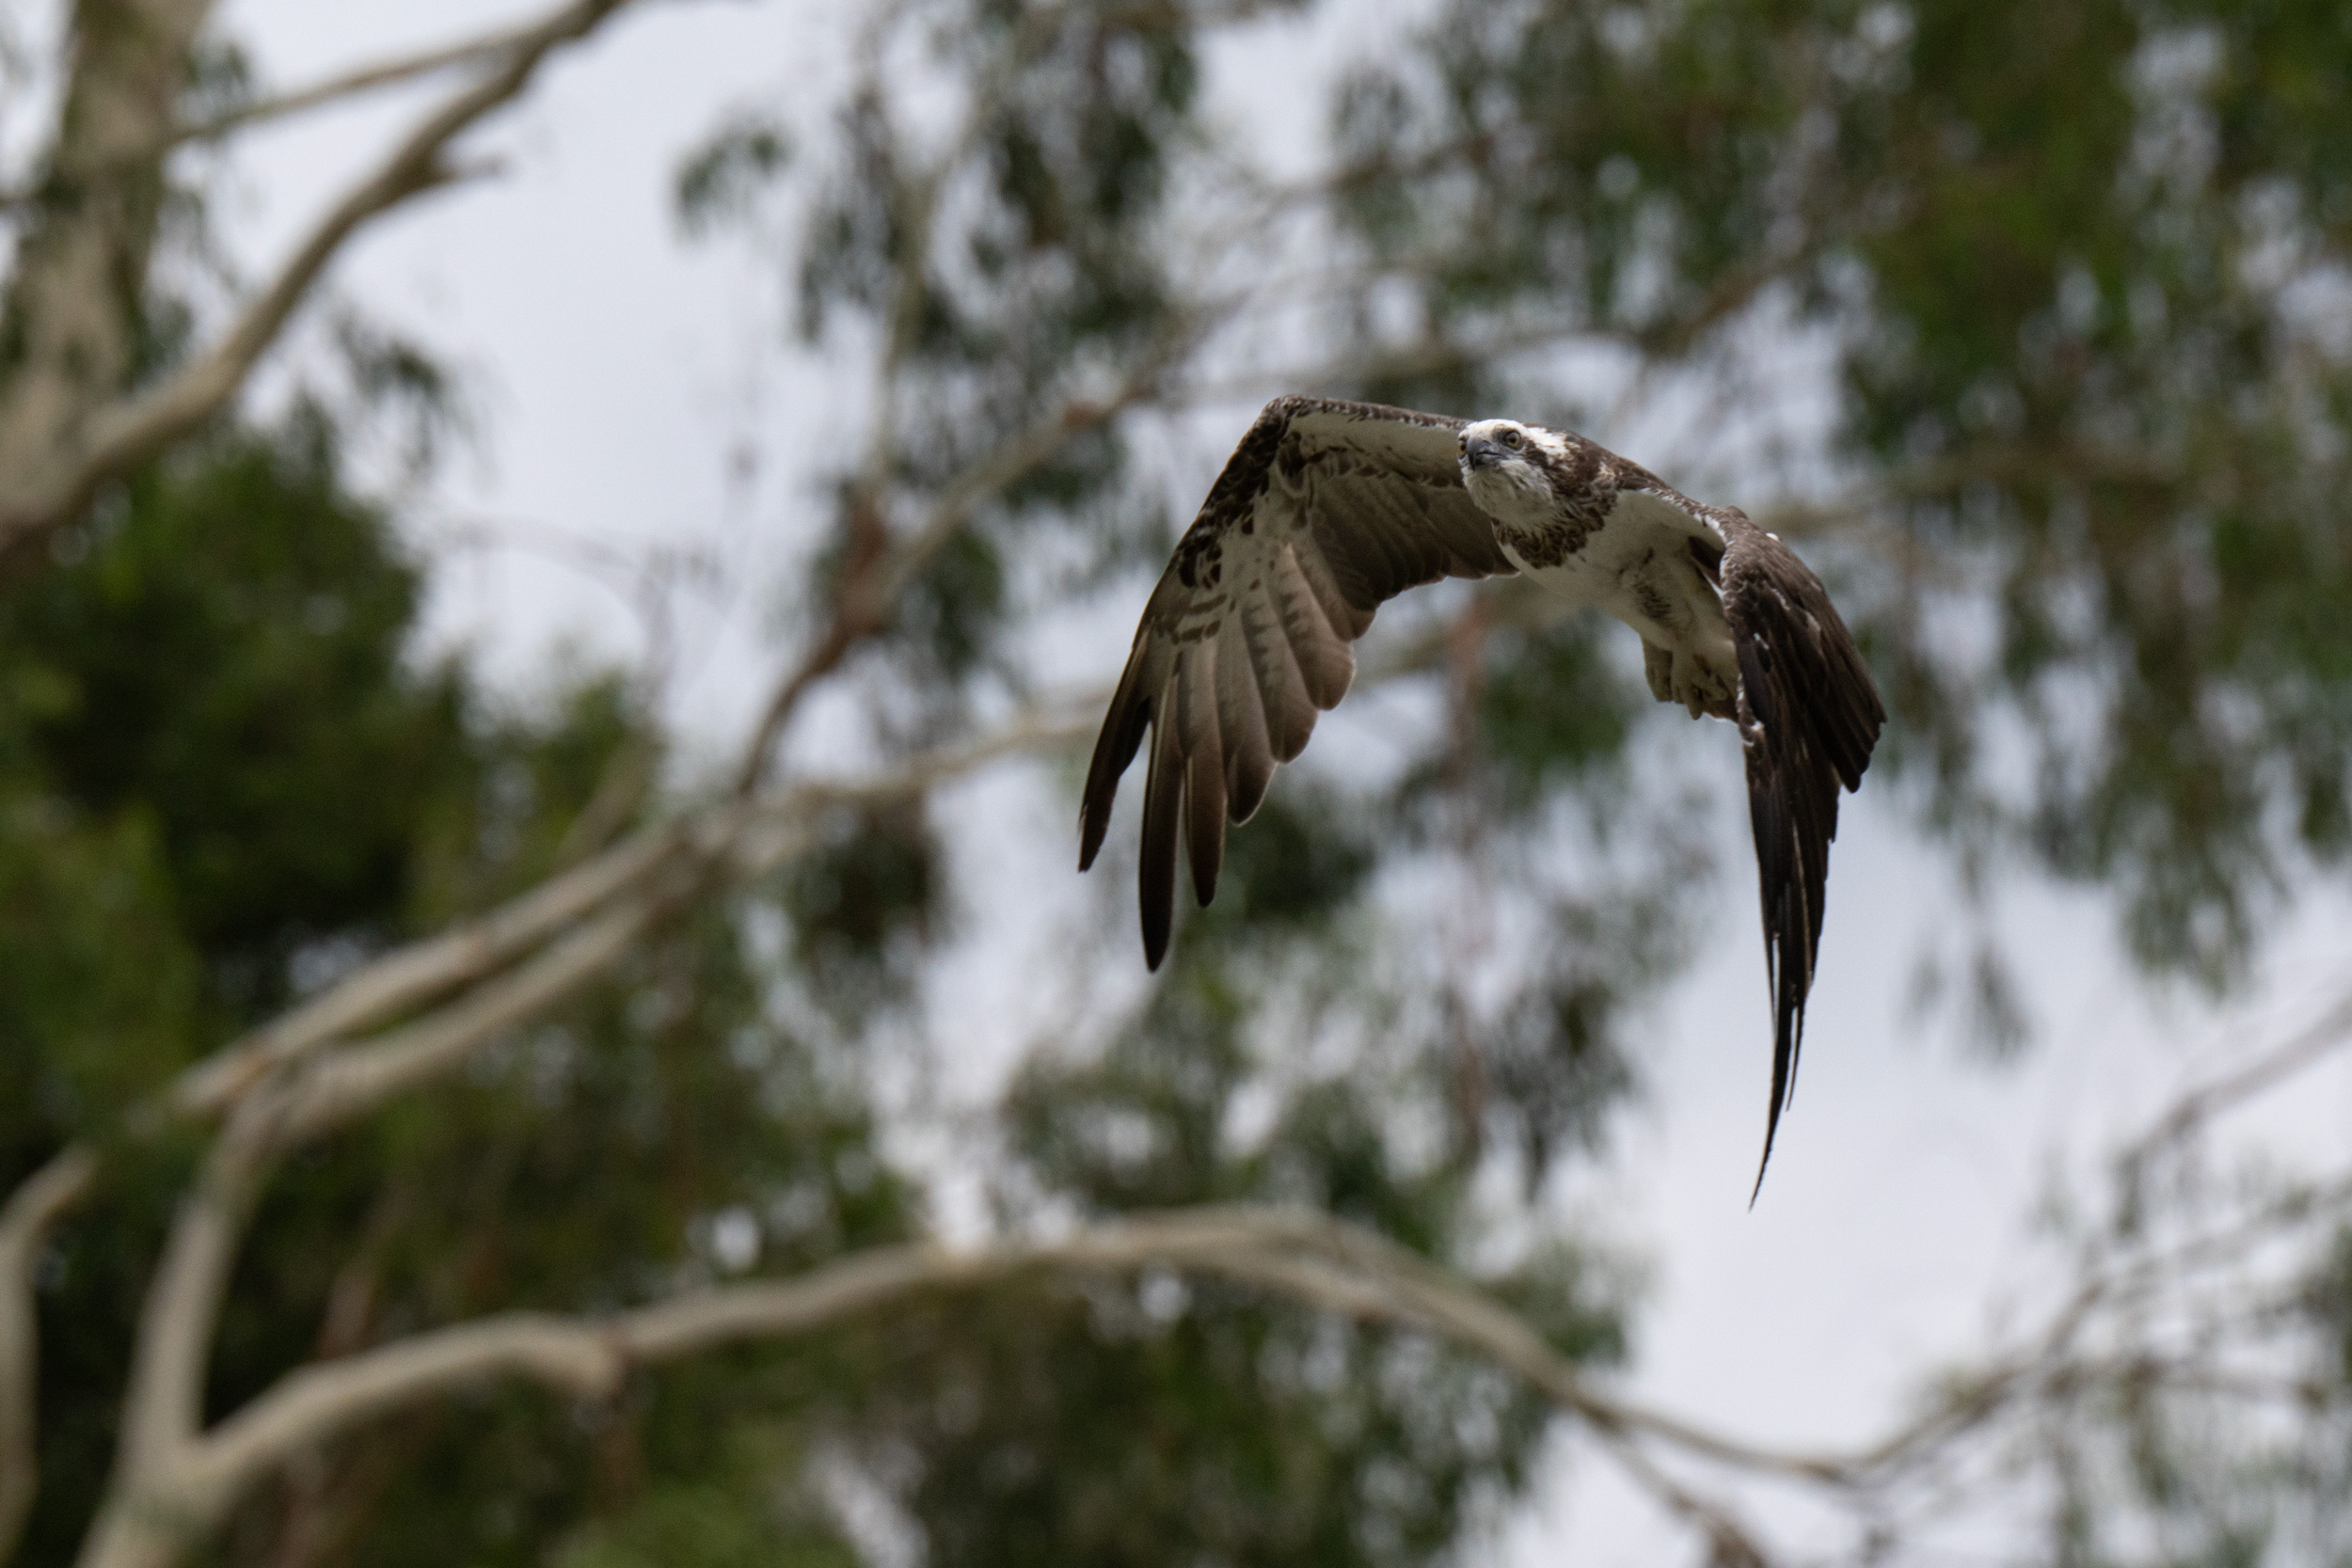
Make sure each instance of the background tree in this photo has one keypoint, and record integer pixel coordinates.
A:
(441, 1125)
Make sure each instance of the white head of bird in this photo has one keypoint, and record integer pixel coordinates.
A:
(1504, 466)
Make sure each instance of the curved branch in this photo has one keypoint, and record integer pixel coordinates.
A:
(409, 976)
(864, 602)
(32, 1209)
(361, 1077)
(164, 1407)
(1311, 1259)
(383, 73)
(732, 842)
(2330, 1032)
(281, 1091)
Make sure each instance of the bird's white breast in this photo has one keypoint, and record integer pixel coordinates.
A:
(1515, 495)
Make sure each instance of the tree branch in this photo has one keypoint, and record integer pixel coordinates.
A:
(2331, 1031)
(864, 605)
(416, 974)
(1308, 1258)
(351, 83)
(25, 1226)
(80, 272)
(164, 1409)
(57, 477)
(278, 1096)
(731, 843)
(356, 1079)
(1730, 1543)
(384, 74)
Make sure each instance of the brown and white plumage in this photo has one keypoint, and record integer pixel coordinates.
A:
(1328, 510)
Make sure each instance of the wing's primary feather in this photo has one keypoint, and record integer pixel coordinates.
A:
(1325, 511)
(1809, 716)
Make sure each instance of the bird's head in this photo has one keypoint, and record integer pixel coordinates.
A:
(1504, 465)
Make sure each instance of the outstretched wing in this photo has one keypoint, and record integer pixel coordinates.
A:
(1808, 719)
(1324, 512)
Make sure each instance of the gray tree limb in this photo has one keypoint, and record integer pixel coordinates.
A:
(81, 267)
(330, 1084)
(25, 1226)
(350, 84)
(67, 424)
(1320, 1262)
(411, 976)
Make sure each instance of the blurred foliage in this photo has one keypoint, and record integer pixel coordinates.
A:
(276, 793)
(2082, 272)
(2194, 1409)
(1008, 268)
(223, 745)
(1274, 1435)
(227, 784)
(2079, 273)
(723, 181)
(285, 647)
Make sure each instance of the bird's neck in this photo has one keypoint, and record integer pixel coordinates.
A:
(1516, 497)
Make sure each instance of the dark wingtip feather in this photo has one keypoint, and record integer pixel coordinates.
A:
(1114, 748)
(1091, 828)
(1204, 821)
(1163, 795)
(1788, 1030)
(1772, 1125)
(1094, 806)
(1810, 717)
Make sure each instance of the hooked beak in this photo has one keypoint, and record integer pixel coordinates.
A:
(1480, 452)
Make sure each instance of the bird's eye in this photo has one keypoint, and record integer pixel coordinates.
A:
(1512, 439)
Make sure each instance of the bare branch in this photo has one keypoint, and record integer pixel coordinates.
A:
(1304, 1257)
(414, 974)
(163, 1408)
(279, 1100)
(384, 74)
(1730, 1543)
(351, 83)
(59, 475)
(81, 267)
(864, 605)
(32, 1209)
(358, 1078)
(730, 842)
(2331, 1032)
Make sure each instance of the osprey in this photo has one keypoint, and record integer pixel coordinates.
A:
(1327, 510)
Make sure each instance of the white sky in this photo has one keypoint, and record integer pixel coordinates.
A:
(619, 369)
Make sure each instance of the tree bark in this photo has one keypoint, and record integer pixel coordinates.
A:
(69, 324)
(23, 1234)
(69, 418)
(1324, 1264)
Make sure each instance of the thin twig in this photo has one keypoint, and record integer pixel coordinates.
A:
(1730, 1544)
(384, 74)
(862, 607)
(2329, 1033)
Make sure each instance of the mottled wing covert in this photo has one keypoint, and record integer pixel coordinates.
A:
(1325, 510)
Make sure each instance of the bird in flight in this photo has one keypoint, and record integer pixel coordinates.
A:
(1328, 510)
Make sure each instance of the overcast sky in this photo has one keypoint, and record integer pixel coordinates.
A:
(622, 375)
